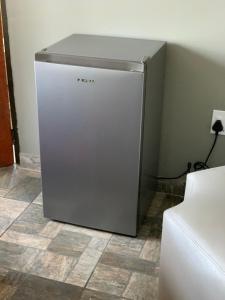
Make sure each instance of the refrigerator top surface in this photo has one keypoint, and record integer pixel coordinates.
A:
(101, 51)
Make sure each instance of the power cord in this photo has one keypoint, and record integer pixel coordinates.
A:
(199, 165)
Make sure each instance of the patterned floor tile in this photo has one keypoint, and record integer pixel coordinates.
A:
(3, 192)
(32, 287)
(151, 228)
(97, 243)
(52, 266)
(125, 245)
(16, 257)
(51, 229)
(84, 268)
(9, 177)
(6, 288)
(26, 190)
(5, 223)
(113, 267)
(161, 202)
(130, 263)
(151, 250)
(38, 199)
(95, 295)
(11, 208)
(31, 221)
(87, 231)
(69, 243)
(9, 211)
(109, 280)
(142, 287)
(27, 240)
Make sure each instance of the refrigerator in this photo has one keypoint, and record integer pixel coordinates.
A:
(99, 109)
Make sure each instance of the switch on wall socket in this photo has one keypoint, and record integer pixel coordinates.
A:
(218, 115)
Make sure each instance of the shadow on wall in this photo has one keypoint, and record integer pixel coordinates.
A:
(194, 86)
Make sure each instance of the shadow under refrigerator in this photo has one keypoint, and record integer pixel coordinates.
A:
(99, 108)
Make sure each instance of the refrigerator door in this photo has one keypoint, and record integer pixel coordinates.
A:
(90, 136)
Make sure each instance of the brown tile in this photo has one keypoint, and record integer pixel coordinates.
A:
(151, 228)
(95, 295)
(6, 288)
(109, 280)
(130, 263)
(142, 287)
(69, 243)
(31, 220)
(87, 231)
(51, 229)
(125, 245)
(97, 243)
(84, 268)
(52, 266)
(151, 250)
(26, 190)
(11, 208)
(16, 257)
(36, 288)
(3, 192)
(27, 240)
(9, 211)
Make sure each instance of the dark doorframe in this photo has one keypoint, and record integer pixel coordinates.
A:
(10, 81)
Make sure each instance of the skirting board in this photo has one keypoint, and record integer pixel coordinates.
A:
(174, 187)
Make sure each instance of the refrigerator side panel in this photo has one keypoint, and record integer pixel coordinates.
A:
(154, 88)
(90, 132)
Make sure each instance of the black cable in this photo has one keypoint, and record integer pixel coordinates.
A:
(199, 165)
(189, 165)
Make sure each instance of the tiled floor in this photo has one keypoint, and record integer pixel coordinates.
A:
(44, 259)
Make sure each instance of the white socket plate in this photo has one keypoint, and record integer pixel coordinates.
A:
(218, 115)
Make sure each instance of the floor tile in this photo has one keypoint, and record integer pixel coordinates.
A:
(9, 211)
(125, 245)
(151, 250)
(84, 268)
(113, 267)
(130, 263)
(31, 287)
(51, 229)
(142, 287)
(87, 231)
(27, 240)
(31, 220)
(109, 280)
(95, 295)
(52, 266)
(69, 243)
(6, 288)
(11, 208)
(5, 222)
(3, 192)
(38, 199)
(16, 257)
(9, 177)
(26, 190)
(97, 243)
(151, 228)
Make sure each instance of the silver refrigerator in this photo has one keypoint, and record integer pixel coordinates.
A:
(99, 107)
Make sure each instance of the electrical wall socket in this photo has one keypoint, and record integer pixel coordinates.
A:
(218, 115)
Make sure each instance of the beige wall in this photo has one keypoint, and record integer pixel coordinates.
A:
(195, 73)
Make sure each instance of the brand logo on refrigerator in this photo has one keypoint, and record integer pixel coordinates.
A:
(85, 80)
